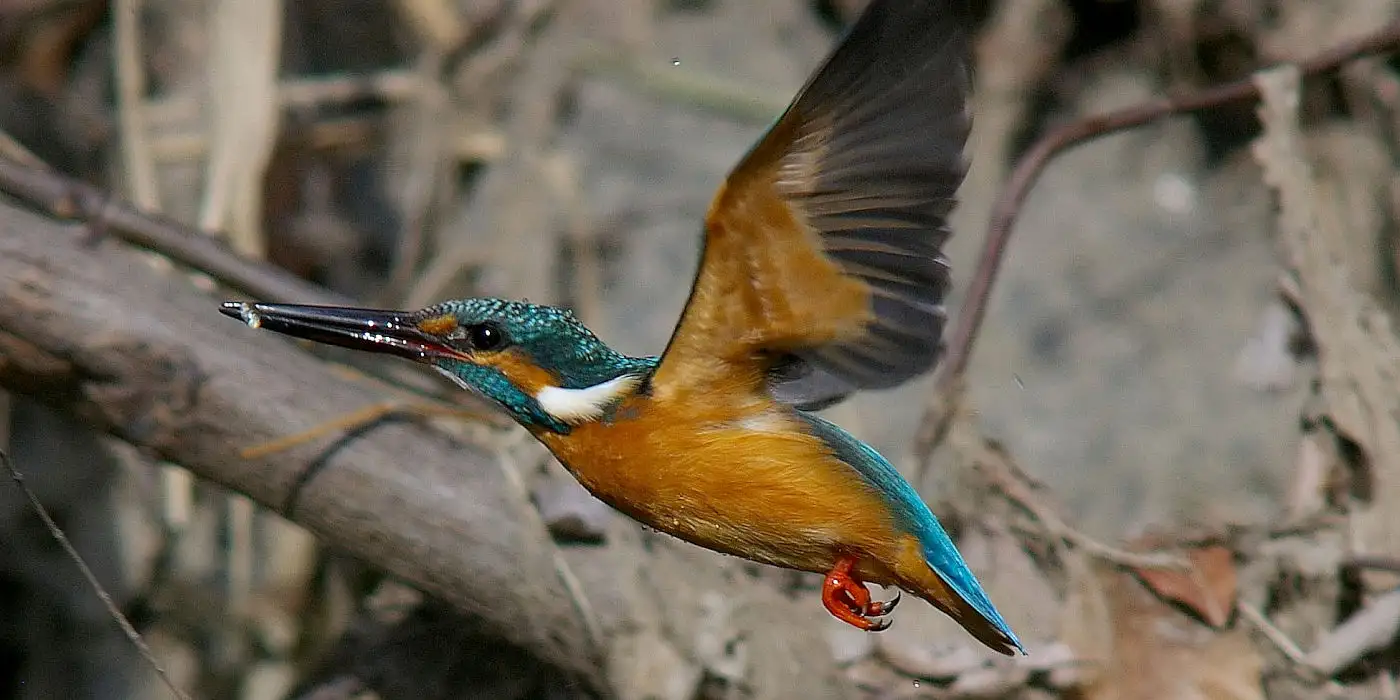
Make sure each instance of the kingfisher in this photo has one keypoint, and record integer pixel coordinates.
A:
(821, 273)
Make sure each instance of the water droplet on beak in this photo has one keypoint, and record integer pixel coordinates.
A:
(251, 316)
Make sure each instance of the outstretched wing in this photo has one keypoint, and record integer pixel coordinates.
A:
(822, 262)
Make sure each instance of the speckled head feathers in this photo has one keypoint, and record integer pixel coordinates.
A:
(552, 337)
(538, 362)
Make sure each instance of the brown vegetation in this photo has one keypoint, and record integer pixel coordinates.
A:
(1234, 540)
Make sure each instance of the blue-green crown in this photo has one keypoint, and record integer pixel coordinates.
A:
(551, 337)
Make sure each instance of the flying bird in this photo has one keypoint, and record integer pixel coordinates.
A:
(821, 275)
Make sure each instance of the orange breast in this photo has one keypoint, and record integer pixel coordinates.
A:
(736, 475)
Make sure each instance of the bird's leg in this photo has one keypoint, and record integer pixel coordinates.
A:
(847, 598)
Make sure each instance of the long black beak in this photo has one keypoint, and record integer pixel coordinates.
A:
(373, 330)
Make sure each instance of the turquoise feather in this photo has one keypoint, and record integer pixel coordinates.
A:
(913, 514)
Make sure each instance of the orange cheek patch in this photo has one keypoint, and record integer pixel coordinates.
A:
(438, 325)
(521, 372)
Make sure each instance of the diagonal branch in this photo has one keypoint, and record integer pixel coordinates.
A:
(67, 198)
(1007, 208)
(93, 329)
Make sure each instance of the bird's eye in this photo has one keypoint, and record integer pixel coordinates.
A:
(485, 337)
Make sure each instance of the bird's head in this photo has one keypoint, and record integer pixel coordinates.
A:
(537, 362)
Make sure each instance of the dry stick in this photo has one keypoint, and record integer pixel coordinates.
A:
(127, 628)
(948, 389)
(10, 148)
(1374, 562)
(67, 198)
(371, 414)
(1028, 169)
(1276, 636)
(37, 185)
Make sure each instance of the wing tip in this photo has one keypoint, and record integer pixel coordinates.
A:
(892, 100)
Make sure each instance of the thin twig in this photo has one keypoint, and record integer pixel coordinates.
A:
(1016, 487)
(177, 486)
(13, 149)
(395, 85)
(67, 198)
(1276, 636)
(946, 401)
(1373, 562)
(130, 631)
(1028, 169)
(244, 53)
(365, 416)
(303, 93)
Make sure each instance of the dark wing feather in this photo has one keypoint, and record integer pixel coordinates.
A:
(794, 381)
(824, 246)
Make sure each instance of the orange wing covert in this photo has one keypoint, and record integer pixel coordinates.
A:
(824, 243)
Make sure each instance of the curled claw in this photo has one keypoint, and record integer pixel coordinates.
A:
(847, 598)
(884, 607)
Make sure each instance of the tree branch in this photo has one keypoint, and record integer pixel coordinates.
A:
(1007, 208)
(91, 327)
(67, 198)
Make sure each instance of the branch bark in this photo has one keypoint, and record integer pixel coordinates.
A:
(95, 329)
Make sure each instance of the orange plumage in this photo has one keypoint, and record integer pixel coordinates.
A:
(731, 475)
(731, 472)
(821, 275)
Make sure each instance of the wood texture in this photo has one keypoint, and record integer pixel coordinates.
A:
(139, 351)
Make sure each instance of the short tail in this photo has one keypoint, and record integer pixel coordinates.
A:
(993, 633)
(969, 606)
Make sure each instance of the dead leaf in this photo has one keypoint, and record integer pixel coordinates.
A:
(1154, 653)
(1207, 589)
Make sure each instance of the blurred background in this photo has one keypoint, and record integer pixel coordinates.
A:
(1137, 358)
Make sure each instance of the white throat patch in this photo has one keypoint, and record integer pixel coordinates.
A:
(574, 406)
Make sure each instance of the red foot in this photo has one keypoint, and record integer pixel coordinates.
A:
(848, 599)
